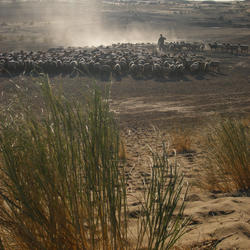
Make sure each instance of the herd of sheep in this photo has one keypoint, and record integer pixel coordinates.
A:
(229, 48)
(141, 61)
(236, 49)
(183, 46)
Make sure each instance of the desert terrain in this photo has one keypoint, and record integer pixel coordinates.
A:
(182, 105)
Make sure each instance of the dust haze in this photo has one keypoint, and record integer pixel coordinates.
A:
(80, 23)
(88, 23)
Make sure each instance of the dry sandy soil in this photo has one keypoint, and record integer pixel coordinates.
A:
(187, 105)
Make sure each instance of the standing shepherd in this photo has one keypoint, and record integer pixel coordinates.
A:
(161, 41)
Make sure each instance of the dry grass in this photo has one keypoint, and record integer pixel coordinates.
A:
(122, 151)
(161, 201)
(181, 142)
(227, 164)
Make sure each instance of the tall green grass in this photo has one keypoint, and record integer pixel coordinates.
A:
(228, 157)
(63, 182)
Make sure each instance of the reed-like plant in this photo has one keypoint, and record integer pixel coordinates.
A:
(162, 222)
(62, 182)
(227, 162)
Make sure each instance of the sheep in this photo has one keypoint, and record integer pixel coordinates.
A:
(117, 70)
(11, 66)
(244, 49)
(214, 66)
(171, 69)
(147, 69)
(121, 59)
(105, 72)
(124, 66)
(133, 68)
(195, 67)
(234, 47)
(157, 70)
(213, 46)
(180, 68)
(82, 67)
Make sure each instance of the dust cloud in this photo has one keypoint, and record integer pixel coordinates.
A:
(82, 23)
(87, 23)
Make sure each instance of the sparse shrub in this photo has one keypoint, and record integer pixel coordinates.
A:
(228, 157)
(182, 142)
(162, 222)
(63, 182)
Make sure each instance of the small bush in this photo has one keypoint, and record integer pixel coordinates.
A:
(228, 157)
(182, 142)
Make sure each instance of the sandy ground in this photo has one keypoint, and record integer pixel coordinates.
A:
(218, 220)
(187, 104)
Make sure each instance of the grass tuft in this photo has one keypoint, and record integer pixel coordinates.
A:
(228, 157)
(182, 142)
(63, 182)
(163, 221)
